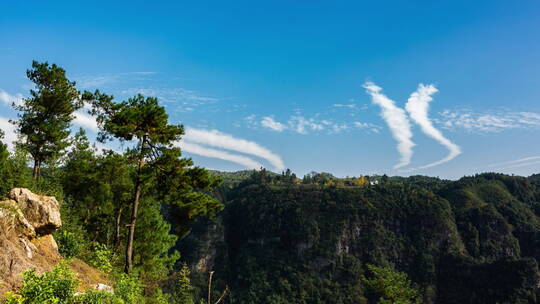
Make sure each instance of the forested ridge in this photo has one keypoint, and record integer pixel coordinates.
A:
(163, 230)
(474, 240)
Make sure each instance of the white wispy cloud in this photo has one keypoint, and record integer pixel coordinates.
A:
(107, 80)
(418, 106)
(221, 140)
(219, 154)
(338, 128)
(170, 94)
(144, 73)
(10, 135)
(305, 125)
(302, 125)
(397, 121)
(95, 81)
(296, 123)
(270, 123)
(514, 162)
(367, 125)
(520, 165)
(9, 99)
(85, 120)
(490, 121)
(341, 105)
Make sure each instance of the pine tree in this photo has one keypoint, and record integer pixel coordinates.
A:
(89, 192)
(45, 117)
(142, 120)
(183, 290)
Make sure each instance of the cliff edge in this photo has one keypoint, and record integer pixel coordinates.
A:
(27, 221)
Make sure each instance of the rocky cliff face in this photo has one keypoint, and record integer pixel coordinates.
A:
(476, 240)
(27, 221)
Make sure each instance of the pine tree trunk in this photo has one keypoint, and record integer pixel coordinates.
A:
(35, 172)
(134, 209)
(131, 228)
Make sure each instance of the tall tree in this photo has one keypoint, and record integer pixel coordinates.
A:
(158, 162)
(45, 117)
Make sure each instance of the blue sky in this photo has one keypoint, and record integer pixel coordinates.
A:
(280, 83)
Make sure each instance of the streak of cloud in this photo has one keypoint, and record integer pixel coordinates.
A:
(219, 154)
(397, 121)
(221, 140)
(516, 161)
(519, 165)
(418, 107)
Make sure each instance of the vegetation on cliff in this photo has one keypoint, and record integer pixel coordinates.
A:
(468, 241)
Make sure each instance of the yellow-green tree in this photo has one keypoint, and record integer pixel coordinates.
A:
(360, 181)
(388, 286)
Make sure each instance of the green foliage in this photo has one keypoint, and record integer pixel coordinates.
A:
(390, 287)
(14, 171)
(97, 297)
(158, 297)
(54, 287)
(70, 244)
(153, 257)
(4, 172)
(159, 168)
(45, 117)
(100, 257)
(183, 293)
(474, 240)
(129, 289)
(59, 287)
(12, 298)
(96, 189)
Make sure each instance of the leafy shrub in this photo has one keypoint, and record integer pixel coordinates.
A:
(54, 287)
(12, 298)
(100, 256)
(97, 297)
(69, 243)
(59, 285)
(129, 289)
(158, 297)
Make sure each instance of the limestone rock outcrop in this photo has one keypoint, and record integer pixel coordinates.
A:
(42, 212)
(27, 221)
